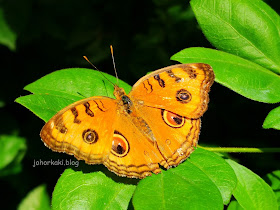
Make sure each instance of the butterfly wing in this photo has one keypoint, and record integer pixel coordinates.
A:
(171, 101)
(132, 154)
(83, 129)
(181, 88)
(96, 131)
(176, 136)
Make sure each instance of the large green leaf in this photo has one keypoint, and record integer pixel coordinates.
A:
(242, 76)
(217, 170)
(249, 29)
(56, 90)
(12, 150)
(37, 199)
(204, 180)
(252, 192)
(78, 190)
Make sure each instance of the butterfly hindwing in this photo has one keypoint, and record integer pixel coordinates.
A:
(176, 136)
(132, 154)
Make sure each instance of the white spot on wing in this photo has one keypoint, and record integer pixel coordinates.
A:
(180, 152)
(52, 125)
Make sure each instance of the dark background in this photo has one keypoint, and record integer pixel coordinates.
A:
(54, 35)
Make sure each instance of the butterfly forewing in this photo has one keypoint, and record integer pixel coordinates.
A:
(181, 88)
(83, 129)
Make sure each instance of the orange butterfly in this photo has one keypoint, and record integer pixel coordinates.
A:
(158, 122)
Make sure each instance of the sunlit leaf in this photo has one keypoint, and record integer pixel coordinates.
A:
(78, 190)
(55, 91)
(249, 29)
(37, 199)
(204, 180)
(252, 192)
(242, 76)
(12, 150)
(272, 120)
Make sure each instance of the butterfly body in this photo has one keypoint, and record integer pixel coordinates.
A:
(158, 122)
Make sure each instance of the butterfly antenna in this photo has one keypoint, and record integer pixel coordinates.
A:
(112, 53)
(85, 57)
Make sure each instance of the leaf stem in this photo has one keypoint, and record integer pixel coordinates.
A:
(240, 149)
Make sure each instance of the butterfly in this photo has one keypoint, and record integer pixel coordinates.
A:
(157, 123)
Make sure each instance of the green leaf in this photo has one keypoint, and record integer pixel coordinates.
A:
(252, 192)
(43, 105)
(249, 29)
(56, 90)
(12, 150)
(37, 199)
(272, 120)
(2, 103)
(273, 179)
(217, 169)
(7, 35)
(78, 190)
(242, 76)
(204, 179)
(234, 205)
